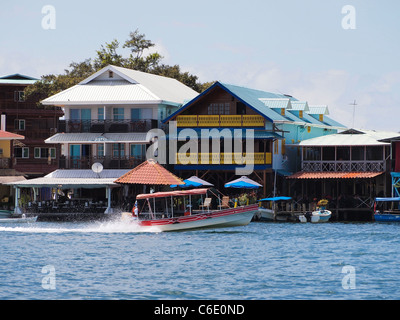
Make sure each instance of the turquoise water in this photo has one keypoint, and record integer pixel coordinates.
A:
(110, 260)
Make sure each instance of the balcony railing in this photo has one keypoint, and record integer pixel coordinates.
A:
(106, 126)
(5, 163)
(343, 166)
(221, 121)
(108, 162)
(223, 158)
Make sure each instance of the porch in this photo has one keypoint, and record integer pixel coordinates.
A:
(106, 126)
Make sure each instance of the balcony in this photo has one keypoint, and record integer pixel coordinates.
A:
(222, 121)
(223, 158)
(343, 166)
(108, 162)
(106, 126)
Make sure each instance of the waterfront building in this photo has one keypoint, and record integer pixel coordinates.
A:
(277, 120)
(31, 155)
(350, 168)
(107, 117)
(7, 174)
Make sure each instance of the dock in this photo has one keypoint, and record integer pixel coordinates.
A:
(290, 212)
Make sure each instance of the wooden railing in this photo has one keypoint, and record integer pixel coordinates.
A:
(224, 158)
(221, 121)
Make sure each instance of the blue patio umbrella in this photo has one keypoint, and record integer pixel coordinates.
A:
(193, 182)
(243, 183)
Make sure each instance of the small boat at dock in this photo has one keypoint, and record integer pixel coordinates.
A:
(321, 214)
(272, 213)
(169, 219)
(382, 214)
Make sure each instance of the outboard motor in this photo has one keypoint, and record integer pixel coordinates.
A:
(308, 216)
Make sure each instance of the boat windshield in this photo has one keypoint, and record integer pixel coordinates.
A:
(181, 193)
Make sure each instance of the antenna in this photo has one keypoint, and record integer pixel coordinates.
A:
(354, 104)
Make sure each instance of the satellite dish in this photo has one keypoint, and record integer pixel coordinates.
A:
(97, 167)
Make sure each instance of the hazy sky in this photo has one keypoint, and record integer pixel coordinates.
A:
(287, 46)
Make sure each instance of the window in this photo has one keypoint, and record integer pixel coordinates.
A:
(75, 114)
(219, 108)
(100, 114)
(22, 153)
(136, 150)
(135, 114)
(100, 150)
(19, 96)
(43, 153)
(118, 113)
(118, 150)
(110, 74)
(19, 125)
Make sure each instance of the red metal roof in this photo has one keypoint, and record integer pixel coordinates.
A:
(149, 172)
(334, 175)
(5, 135)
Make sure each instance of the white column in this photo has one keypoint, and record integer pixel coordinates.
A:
(109, 210)
(17, 209)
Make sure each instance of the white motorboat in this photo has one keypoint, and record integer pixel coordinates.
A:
(317, 216)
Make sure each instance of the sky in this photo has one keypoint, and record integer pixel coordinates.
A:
(316, 51)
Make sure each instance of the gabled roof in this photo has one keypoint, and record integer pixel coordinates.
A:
(126, 86)
(18, 79)
(300, 106)
(317, 110)
(277, 103)
(250, 97)
(266, 104)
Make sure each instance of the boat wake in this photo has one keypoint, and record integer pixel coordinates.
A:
(117, 226)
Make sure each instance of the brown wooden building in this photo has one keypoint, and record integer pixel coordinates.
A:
(31, 156)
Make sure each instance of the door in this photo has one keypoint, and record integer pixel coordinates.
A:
(86, 117)
(75, 156)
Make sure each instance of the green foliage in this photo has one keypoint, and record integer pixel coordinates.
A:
(109, 55)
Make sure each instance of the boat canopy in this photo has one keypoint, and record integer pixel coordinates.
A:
(180, 193)
(387, 199)
(276, 199)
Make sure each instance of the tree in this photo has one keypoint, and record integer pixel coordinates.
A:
(108, 55)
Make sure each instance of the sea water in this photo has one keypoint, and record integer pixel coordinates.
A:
(113, 260)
